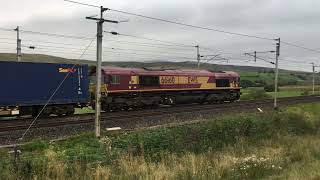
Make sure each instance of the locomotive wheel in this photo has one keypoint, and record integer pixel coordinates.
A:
(70, 110)
(45, 113)
(35, 112)
(126, 108)
(104, 107)
(155, 106)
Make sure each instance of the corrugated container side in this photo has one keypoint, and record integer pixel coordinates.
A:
(26, 84)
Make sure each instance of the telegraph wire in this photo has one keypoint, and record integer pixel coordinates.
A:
(110, 52)
(6, 29)
(48, 42)
(44, 47)
(176, 22)
(135, 42)
(170, 42)
(150, 39)
(287, 60)
(120, 42)
(147, 54)
(50, 34)
(151, 46)
(83, 3)
(89, 38)
(298, 46)
(138, 55)
(164, 51)
(192, 26)
(57, 35)
(8, 38)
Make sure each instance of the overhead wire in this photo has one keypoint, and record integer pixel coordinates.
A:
(146, 54)
(163, 20)
(109, 52)
(6, 29)
(49, 42)
(150, 39)
(175, 22)
(159, 51)
(56, 35)
(40, 47)
(299, 46)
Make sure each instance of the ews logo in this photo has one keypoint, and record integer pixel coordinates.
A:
(192, 80)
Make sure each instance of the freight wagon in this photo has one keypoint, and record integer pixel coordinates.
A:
(130, 88)
(26, 88)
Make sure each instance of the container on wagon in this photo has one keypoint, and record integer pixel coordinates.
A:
(26, 87)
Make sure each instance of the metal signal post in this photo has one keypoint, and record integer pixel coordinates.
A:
(275, 105)
(18, 45)
(313, 76)
(100, 22)
(198, 56)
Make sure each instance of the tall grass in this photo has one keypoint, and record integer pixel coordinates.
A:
(288, 157)
(273, 144)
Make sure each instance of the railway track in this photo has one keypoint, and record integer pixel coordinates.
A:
(120, 118)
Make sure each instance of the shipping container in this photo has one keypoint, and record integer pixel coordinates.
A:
(25, 85)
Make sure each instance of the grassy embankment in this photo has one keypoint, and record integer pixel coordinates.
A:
(268, 145)
(285, 91)
(291, 84)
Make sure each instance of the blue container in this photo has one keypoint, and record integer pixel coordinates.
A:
(31, 84)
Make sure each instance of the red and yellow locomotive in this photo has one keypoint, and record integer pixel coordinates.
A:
(130, 88)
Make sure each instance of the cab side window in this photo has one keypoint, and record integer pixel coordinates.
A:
(115, 79)
(222, 83)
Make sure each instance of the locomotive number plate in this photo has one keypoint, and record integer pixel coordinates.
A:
(167, 80)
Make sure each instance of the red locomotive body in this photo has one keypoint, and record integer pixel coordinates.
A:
(125, 88)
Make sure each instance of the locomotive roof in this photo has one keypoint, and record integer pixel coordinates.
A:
(144, 71)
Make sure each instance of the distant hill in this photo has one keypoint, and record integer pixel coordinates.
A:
(250, 76)
(42, 58)
(162, 64)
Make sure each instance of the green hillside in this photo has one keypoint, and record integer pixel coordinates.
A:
(41, 58)
(250, 76)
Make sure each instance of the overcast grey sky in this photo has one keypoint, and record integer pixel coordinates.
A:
(294, 21)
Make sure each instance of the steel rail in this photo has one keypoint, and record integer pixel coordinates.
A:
(122, 116)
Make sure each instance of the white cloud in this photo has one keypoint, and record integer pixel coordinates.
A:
(292, 20)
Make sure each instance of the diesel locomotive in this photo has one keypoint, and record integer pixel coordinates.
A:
(131, 88)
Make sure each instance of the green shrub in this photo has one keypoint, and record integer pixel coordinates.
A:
(198, 138)
(305, 92)
(36, 145)
(255, 94)
(269, 88)
(246, 83)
